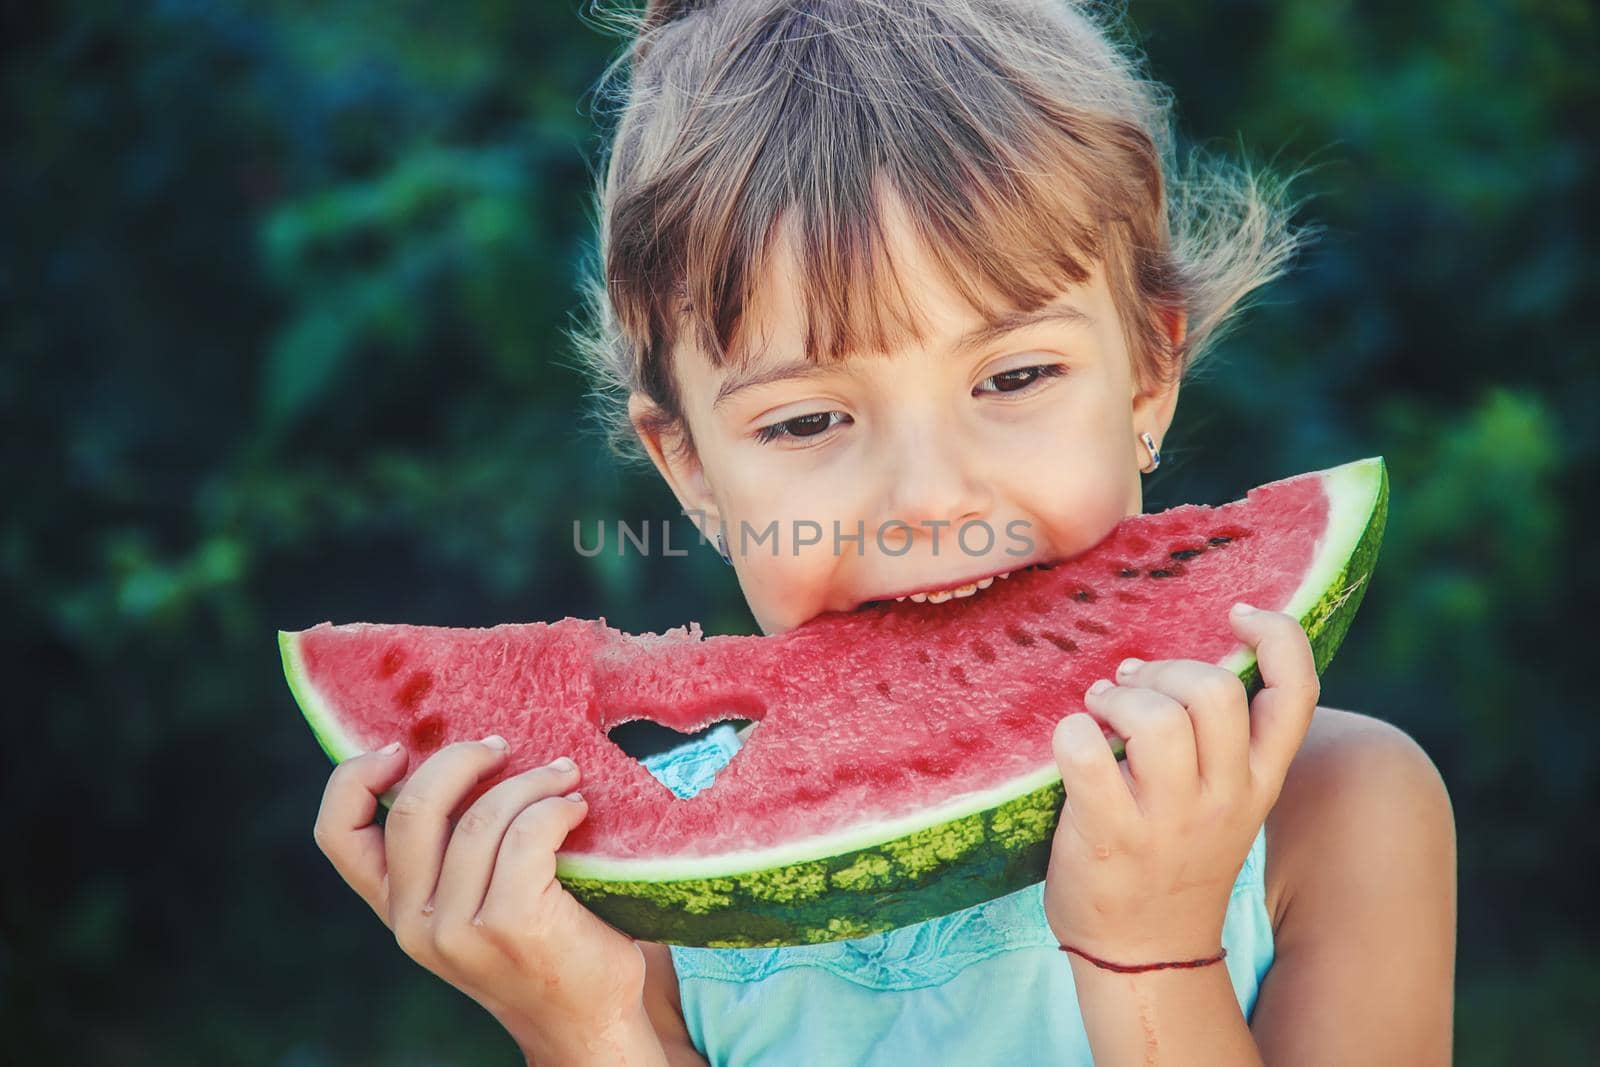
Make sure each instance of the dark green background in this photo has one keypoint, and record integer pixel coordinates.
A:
(282, 288)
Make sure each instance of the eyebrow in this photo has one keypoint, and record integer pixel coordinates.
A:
(1008, 323)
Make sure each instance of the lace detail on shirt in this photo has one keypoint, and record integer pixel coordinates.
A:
(910, 957)
(691, 766)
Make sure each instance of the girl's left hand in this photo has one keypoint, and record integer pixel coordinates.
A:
(1147, 851)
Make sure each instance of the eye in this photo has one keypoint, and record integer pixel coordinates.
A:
(1015, 381)
(812, 425)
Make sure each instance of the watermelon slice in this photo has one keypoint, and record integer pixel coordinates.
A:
(902, 768)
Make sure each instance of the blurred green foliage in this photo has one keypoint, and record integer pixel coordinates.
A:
(282, 289)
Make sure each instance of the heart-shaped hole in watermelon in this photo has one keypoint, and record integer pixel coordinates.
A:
(685, 763)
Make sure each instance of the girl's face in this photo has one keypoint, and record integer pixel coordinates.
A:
(968, 456)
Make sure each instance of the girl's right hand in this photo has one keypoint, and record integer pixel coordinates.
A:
(476, 900)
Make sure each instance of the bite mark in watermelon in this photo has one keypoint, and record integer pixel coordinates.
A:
(903, 767)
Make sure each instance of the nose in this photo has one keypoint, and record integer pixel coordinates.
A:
(931, 478)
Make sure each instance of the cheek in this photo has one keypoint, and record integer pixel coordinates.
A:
(1076, 442)
(1077, 480)
(1084, 496)
(783, 591)
(769, 516)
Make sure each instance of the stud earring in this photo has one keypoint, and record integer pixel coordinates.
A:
(722, 548)
(1155, 454)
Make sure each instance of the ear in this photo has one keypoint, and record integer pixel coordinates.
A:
(674, 457)
(1155, 405)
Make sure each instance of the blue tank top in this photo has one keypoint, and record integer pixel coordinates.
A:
(987, 984)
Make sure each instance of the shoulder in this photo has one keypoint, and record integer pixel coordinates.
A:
(1358, 789)
(1361, 868)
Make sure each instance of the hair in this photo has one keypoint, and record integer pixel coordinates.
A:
(1024, 145)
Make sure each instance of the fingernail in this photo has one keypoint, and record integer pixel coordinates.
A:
(575, 797)
(390, 749)
(1099, 687)
(1242, 608)
(562, 763)
(496, 741)
(1128, 666)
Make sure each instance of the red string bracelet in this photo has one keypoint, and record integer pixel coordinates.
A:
(1134, 968)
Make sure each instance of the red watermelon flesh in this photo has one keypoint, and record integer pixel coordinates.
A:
(874, 723)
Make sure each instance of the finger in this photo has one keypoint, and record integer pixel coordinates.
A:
(418, 827)
(345, 830)
(1159, 742)
(1100, 804)
(525, 868)
(1218, 711)
(1281, 712)
(470, 857)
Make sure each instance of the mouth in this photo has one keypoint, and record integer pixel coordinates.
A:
(941, 594)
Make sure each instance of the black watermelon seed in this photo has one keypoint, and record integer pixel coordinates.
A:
(1127, 572)
(1089, 626)
(1065, 644)
(1166, 572)
(1187, 553)
(1218, 540)
(1085, 596)
(1019, 636)
(981, 649)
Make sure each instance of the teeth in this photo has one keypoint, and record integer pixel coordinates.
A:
(943, 595)
(948, 594)
(898, 599)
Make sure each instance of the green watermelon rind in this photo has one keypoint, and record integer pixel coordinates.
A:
(319, 715)
(1335, 584)
(957, 858)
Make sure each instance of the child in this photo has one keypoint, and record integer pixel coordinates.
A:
(928, 263)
